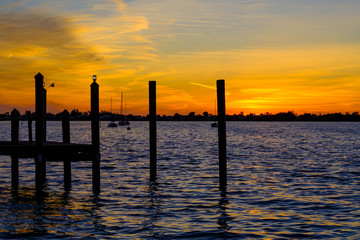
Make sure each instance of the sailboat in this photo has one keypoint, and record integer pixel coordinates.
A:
(122, 122)
(215, 124)
(112, 123)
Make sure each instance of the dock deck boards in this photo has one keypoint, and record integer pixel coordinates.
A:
(52, 151)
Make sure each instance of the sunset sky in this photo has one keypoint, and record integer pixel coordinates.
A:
(275, 55)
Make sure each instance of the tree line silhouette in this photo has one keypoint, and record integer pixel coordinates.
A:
(75, 114)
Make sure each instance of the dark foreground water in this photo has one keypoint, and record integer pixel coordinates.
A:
(285, 181)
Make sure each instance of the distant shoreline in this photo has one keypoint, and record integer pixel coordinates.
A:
(290, 116)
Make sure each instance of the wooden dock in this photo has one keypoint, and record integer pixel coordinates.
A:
(51, 151)
(47, 151)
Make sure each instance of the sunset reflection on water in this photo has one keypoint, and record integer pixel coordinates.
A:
(285, 180)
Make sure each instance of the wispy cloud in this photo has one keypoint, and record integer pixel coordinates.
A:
(257, 46)
(30, 43)
(203, 85)
(68, 48)
(12, 4)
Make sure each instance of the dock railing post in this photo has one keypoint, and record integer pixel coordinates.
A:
(15, 115)
(152, 115)
(44, 114)
(28, 116)
(220, 84)
(39, 130)
(95, 134)
(66, 139)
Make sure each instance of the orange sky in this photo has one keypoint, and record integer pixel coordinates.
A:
(301, 56)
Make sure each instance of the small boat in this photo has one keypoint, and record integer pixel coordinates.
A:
(214, 124)
(112, 124)
(123, 122)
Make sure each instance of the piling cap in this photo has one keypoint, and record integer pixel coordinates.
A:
(39, 76)
(15, 113)
(65, 112)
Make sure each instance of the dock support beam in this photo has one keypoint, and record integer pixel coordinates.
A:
(95, 135)
(39, 129)
(14, 159)
(152, 113)
(220, 85)
(66, 139)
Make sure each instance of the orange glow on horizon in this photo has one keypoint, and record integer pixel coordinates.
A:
(302, 66)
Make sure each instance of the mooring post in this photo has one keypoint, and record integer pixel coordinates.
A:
(15, 115)
(44, 129)
(39, 131)
(220, 84)
(28, 115)
(95, 134)
(66, 139)
(152, 115)
(44, 114)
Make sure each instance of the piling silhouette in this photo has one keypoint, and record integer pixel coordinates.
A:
(44, 151)
(15, 115)
(220, 85)
(95, 135)
(152, 126)
(66, 139)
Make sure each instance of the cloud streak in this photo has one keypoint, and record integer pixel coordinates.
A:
(203, 85)
(301, 48)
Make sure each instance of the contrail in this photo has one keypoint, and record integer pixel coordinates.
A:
(203, 85)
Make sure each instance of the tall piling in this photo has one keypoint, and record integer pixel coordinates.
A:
(39, 131)
(66, 139)
(44, 127)
(95, 135)
(15, 115)
(152, 123)
(220, 85)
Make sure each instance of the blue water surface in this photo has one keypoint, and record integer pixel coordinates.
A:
(286, 180)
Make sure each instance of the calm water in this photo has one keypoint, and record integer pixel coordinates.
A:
(285, 181)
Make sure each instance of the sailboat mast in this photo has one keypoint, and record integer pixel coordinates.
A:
(215, 107)
(121, 105)
(111, 104)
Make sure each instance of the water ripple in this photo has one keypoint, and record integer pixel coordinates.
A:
(285, 181)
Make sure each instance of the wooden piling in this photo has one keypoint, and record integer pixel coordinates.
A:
(152, 115)
(95, 134)
(15, 126)
(220, 84)
(66, 139)
(15, 139)
(44, 129)
(39, 109)
(28, 115)
(39, 130)
(44, 114)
